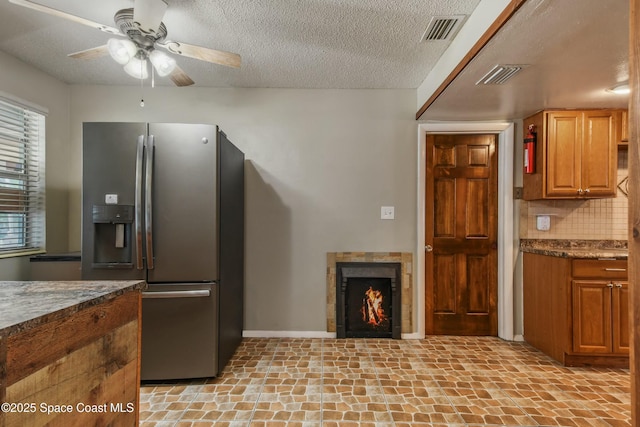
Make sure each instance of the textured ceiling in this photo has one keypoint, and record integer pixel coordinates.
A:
(283, 43)
(574, 50)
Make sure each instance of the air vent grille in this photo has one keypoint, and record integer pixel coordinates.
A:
(500, 74)
(443, 27)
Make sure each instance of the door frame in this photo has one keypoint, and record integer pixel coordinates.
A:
(507, 244)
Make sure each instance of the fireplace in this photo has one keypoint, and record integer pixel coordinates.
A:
(368, 300)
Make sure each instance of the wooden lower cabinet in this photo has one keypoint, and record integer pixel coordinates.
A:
(78, 370)
(620, 309)
(576, 310)
(592, 331)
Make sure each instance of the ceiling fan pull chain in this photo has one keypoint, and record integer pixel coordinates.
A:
(142, 63)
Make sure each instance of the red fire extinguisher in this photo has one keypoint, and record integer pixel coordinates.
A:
(530, 150)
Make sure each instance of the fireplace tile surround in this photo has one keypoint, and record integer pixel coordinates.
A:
(406, 266)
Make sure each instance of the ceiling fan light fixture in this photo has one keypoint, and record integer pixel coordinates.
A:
(122, 51)
(137, 68)
(164, 64)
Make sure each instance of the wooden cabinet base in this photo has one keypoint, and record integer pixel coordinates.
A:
(583, 360)
(79, 370)
(573, 328)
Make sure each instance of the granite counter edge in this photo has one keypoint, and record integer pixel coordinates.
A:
(132, 285)
(576, 253)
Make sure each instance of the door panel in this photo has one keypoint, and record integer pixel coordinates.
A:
(184, 203)
(565, 134)
(108, 167)
(476, 218)
(599, 155)
(179, 331)
(478, 156)
(477, 279)
(444, 224)
(445, 289)
(591, 316)
(461, 235)
(620, 310)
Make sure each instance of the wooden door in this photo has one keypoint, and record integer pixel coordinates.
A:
(564, 140)
(599, 160)
(620, 310)
(591, 316)
(461, 235)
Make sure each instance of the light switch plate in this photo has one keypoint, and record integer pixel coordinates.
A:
(387, 212)
(110, 199)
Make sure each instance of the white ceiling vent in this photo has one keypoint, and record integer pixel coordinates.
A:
(500, 74)
(443, 27)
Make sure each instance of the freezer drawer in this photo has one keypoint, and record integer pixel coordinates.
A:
(179, 331)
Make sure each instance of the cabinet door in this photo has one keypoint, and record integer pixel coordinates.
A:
(599, 153)
(620, 309)
(624, 128)
(591, 316)
(563, 154)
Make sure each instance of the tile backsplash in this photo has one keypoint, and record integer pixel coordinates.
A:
(594, 219)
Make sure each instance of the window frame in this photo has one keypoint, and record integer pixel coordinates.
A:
(22, 177)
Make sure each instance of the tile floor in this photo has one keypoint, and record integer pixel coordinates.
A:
(438, 381)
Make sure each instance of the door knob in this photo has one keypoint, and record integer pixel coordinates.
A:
(428, 248)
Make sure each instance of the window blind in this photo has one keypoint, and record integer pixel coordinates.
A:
(22, 189)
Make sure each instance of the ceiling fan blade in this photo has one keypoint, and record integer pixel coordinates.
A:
(180, 78)
(92, 53)
(148, 14)
(202, 53)
(64, 15)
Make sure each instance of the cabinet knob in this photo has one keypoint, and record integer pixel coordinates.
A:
(580, 191)
(609, 285)
(587, 191)
(618, 285)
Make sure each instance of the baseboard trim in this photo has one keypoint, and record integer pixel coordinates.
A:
(412, 336)
(309, 334)
(287, 334)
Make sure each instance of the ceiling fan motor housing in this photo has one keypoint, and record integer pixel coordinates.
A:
(144, 40)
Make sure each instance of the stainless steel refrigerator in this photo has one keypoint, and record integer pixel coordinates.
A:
(164, 202)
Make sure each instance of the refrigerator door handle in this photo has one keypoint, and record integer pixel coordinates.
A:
(178, 294)
(148, 202)
(138, 203)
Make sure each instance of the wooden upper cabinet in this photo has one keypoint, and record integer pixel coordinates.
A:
(564, 148)
(600, 153)
(624, 129)
(576, 154)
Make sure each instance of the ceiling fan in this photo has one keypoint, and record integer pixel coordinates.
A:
(140, 31)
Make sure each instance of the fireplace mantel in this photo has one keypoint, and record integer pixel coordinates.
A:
(406, 264)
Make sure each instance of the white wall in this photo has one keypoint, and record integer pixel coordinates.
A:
(25, 82)
(320, 164)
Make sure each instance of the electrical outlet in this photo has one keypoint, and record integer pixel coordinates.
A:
(387, 212)
(543, 222)
(517, 192)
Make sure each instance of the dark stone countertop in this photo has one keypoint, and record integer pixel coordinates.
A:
(576, 248)
(24, 305)
(72, 256)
